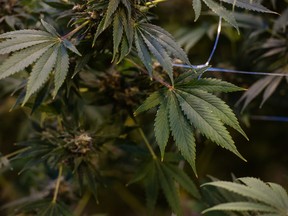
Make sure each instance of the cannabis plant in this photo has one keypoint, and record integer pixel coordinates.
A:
(114, 106)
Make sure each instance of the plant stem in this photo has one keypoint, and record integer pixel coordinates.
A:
(16, 152)
(154, 2)
(70, 34)
(139, 129)
(82, 204)
(57, 184)
(153, 77)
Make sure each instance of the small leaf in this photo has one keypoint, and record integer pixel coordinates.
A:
(197, 8)
(61, 69)
(143, 53)
(49, 28)
(222, 12)
(161, 127)
(117, 34)
(71, 47)
(159, 53)
(249, 5)
(152, 101)
(112, 6)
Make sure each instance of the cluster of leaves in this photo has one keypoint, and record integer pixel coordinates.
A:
(185, 103)
(255, 197)
(188, 105)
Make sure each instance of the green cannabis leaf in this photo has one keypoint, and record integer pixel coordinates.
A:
(258, 196)
(46, 50)
(152, 39)
(157, 174)
(227, 15)
(190, 105)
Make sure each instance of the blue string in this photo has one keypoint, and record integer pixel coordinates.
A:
(269, 118)
(229, 70)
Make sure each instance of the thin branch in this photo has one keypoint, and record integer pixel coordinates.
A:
(157, 79)
(57, 184)
(70, 34)
(82, 204)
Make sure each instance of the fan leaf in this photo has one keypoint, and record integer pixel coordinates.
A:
(41, 70)
(61, 69)
(181, 131)
(22, 59)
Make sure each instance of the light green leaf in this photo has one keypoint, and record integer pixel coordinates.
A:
(24, 34)
(161, 127)
(13, 45)
(281, 193)
(222, 12)
(143, 53)
(61, 69)
(243, 190)
(257, 184)
(242, 207)
(41, 70)
(205, 121)
(49, 28)
(20, 60)
(152, 101)
(197, 8)
(181, 131)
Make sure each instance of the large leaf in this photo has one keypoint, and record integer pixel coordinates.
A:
(249, 5)
(205, 121)
(44, 48)
(181, 131)
(257, 197)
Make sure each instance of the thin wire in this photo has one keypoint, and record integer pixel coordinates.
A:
(269, 118)
(230, 70)
(216, 41)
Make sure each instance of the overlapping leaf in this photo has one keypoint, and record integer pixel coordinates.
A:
(156, 174)
(227, 15)
(258, 197)
(44, 48)
(153, 40)
(189, 105)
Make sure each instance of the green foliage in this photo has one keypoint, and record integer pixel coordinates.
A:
(189, 105)
(46, 48)
(258, 197)
(81, 146)
(157, 174)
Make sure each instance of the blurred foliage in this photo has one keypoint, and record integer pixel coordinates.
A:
(81, 151)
